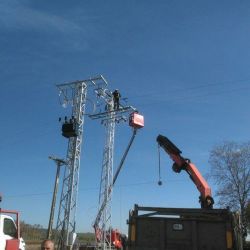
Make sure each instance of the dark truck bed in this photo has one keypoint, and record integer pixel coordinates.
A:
(152, 228)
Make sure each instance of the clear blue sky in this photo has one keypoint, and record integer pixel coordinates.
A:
(183, 64)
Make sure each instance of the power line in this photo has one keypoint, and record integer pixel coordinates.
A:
(26, 195)
(197, 87)
(187, 97)
(92, 188)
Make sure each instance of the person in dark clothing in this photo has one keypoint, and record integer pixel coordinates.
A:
(124, 240)
(116, 98)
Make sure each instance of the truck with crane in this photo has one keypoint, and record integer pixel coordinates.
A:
(157, 228)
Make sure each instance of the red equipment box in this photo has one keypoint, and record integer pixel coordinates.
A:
(136, 120)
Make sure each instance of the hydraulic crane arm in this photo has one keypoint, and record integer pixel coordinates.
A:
(180, 164)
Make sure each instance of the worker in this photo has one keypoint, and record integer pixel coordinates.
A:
(116, 98)
(47, 245)
(124, 240)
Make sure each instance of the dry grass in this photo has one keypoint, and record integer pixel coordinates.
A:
(33, 246)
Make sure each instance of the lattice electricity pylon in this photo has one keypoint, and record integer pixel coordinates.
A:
(102, 224)
(74, 93)
(106, 181)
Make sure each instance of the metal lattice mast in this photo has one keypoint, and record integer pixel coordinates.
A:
(75, 93)
(109, 118)
(106, 182)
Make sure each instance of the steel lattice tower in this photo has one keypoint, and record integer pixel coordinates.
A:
(109, 118)
(106, 182)
(74, 93)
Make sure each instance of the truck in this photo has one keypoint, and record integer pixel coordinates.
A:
(10, 238)
(205, 228)
(156, 228)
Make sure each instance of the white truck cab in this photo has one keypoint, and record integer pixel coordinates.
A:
(10, 231)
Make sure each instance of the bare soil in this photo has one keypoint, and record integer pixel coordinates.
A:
(33, 246)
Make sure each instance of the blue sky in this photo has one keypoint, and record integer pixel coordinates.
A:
(183, 64)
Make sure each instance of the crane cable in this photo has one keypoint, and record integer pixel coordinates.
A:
(159, 165)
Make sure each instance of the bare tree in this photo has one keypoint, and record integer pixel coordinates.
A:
(230, 169)
(248, 215)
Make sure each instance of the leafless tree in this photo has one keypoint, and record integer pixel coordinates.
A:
(230, 169)
(248, 215)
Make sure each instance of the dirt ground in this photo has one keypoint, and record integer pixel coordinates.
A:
(33, 247)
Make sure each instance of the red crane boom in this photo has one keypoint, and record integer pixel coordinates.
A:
(206, 200)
